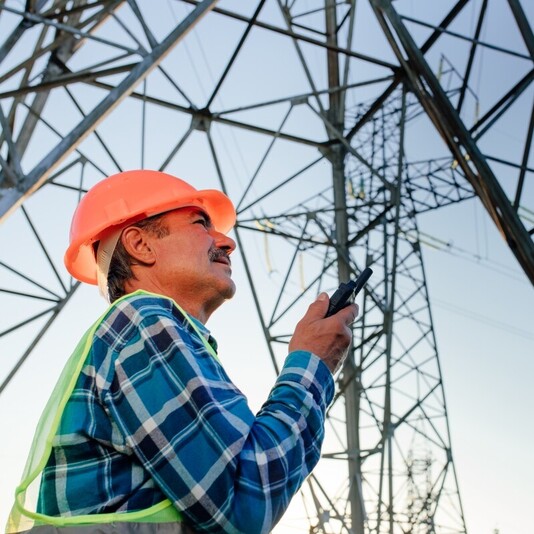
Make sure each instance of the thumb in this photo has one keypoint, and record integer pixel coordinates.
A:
(318, 309)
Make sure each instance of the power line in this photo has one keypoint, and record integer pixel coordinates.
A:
(511, 329)
(442, 245)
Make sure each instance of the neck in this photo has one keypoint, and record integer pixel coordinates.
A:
(199, 310)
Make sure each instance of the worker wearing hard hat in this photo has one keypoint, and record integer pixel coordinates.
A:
(144, 431)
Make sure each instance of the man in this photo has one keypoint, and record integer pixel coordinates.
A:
(145, 432)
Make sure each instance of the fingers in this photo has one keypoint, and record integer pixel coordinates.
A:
(318, 309)
(326, 337)
(349, 314)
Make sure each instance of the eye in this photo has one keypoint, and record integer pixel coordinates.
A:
(201, 221)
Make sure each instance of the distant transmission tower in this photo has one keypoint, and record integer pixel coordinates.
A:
(332, 125)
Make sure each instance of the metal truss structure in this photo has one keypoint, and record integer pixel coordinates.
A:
(333, 125)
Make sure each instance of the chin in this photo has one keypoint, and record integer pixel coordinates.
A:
(223, 288)
(225, 293)
(231, 289)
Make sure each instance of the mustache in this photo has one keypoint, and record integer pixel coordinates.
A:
(215, 253)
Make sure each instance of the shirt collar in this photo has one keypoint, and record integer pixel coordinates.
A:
(205, 332)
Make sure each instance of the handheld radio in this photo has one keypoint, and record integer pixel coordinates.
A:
(347, 291)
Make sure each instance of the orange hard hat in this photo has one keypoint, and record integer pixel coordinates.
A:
(130, 196)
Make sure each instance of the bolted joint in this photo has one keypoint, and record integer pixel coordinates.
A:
(333, 151)
(202, 120)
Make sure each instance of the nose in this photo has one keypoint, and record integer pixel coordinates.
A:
(224, 242)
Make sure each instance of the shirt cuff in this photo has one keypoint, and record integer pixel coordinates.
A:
(312, 373)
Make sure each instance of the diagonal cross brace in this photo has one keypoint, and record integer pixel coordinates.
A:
(11, 198)
(460, 142)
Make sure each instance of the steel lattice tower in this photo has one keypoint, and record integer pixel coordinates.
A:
(333, 126)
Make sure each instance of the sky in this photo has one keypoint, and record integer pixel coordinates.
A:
(481, 301)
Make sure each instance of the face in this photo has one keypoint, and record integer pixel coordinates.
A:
(192, 262)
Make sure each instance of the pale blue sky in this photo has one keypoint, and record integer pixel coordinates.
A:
(481, 301)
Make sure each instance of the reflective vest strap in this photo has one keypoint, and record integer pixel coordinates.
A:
(23, 519)
(113, 528)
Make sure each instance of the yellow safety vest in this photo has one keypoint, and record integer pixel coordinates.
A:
(161, 518)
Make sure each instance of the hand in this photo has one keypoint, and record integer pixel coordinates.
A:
(328, 337)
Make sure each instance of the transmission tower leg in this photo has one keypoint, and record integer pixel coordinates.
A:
(337, 155)
(352, 391)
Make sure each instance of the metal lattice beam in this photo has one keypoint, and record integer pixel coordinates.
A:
(335, 180)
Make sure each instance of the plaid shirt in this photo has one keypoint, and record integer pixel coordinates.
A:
(154, 416)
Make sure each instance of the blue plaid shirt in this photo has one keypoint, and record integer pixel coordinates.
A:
(154, 416)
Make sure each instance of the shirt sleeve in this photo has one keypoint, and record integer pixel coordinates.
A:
(225, 469)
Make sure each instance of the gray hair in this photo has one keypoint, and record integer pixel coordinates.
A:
(120, 268)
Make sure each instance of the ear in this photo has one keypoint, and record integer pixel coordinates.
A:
(137, 244)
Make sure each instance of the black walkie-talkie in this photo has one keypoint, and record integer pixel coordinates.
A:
(344, 293)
